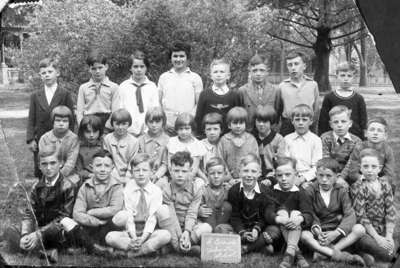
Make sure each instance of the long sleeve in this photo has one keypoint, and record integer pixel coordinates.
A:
(236, 219)
(390, 217)
(70, 103)
(351, 171)
(152, 219)
(389, 164)
(315, 157)
(72, 155)
(359, 204)
(279, 103)
(193, 210)
(200, 112)
(316, 107)
(80, 210)
(27, 223)
(349, 216)
(80, 105)
(115, 205)
(30, 130)
(363, 114)
(323, 122)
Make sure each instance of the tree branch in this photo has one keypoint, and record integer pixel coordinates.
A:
(347, 34)
(339, 11)
(340, 24)
(289, 41)
(302, 36)
(302, 14)
(350, 40)
(298, 23)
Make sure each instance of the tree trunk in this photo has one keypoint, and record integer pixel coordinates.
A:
(363, 61)
(282, 62)
(322, 49)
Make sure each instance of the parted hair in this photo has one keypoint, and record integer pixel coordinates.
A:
(49, 150)
(141, 158)
(258, 59)
(302, 110)
(295, 54)
(329, 163)
(284, 160)
(181, 158)
(346, 67)
(47, 62)
(250, 158)
(379, 120)
(371, 152)
(215, 161)
(96, 57)
(338, 109)
(102, 154)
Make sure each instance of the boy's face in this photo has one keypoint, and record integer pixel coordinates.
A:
(345, 79)
(340, 123)
(237, 127)
(120, 128)
(180, 174)
(258, 73)
(286, 176)
(263, 127)
(296, 67)
(50, 166)
(102, 167)
(376, 133)
(370, 167)
(155, 126)
(91, 135)
(138, 69)
(326, 178)
(216, 175)
(184, 132)
(61, 124)
(49, 75)
(220, 74)
(141, 173)
(249, 174)
(98, 71)
(179, 60)
(301, 124)
(213, 131)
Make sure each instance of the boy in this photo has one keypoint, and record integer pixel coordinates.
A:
(98, 200)
(345, 95)
(143, 208)
(376, 135)
(333, 227)
(183, 196)
(122, 145)
(212, 125)
(298, 89)
(63, 138)
(51, 199)
(220, 99)
(95, 96)
(237, 143)
(303, 145)
(137, 94)
(249, 201)
(42, 102)
(258, 91)
(179, 87)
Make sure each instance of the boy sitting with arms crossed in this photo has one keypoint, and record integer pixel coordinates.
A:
(303, 145)
(143, 209)
(333, 227)
(183, 196)
(51, 200)
(344, 95)
(98, 200)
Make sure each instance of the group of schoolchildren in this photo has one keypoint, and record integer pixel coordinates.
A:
(140, 177)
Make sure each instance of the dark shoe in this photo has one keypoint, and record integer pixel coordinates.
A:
(368, 259)
(119, 254)
(165, 250)
(287, 261)
(301, 261)
(343, 256)
(244, 249)
(269, 250)
(74, 251)
(317, 257)
(50, 254)
(100, 250)
(195, 251)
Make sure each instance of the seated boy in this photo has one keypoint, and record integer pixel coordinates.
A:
(183, 196)
(333, 227)
(339, 143)
(214, 208)
(98, 200)
(249, 200)
(303, 145)
(143, 209)
(376, 135)
(62, 137)
(51, 200)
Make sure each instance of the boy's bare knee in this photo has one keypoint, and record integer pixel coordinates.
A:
(358, 230)
(120, 218)
(295, 213)
(306, 236)
(162, 213)
(110, 238)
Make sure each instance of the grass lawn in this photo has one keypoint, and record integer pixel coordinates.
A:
(12, 198)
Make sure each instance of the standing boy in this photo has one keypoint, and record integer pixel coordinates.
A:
(345, 95)
(297, 89)
(179, 87)
(42, 102)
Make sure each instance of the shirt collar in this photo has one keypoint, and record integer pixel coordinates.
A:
(293, 189)
(106, 82)
(52, 183)
(255, 189)
(111, 182)
(134, 187)
(220, 90)
(145, 81)
(187, 187)
(304, 136)
(52, 88)
(346, 137)
(187, 70)
(208, 145)
(147, 138)
(53, 138)
(121, 142)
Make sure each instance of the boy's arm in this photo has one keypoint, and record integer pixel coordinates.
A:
(72, 155)
(363, 114)
(306, 208)
(236, 219)
(152, 219)
(270, 211)
(115, 205)
(30, 130)
(323, 121)
(316, 107)
(70, 103)
(350, 172)
(390, 217)
(278, 103)
(80, 210)
(389, 164)
(200, 112)
(349, 216)
(27, 224)
(316, 155)
(198, 87)
(193, 210)
(80, 105)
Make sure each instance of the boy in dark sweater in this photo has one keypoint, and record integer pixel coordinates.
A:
(219, 99)
(345, 95)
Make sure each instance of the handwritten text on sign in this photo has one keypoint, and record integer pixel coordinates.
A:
(223, 248)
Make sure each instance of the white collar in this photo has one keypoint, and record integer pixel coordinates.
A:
(51, 88)
(53, 182)
(293, 189)
(347, 136)
(220, 90)
(255, 189)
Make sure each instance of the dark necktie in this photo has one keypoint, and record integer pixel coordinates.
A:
(139, 99)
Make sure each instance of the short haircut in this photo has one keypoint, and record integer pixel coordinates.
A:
(62, 111)
(185, 119)
(50, 150)
(295, 54)
(346, 67)
(329, 163)
(213, 162)
(180, 46)
(236, 114)
(266, 113)
(181, 158)
(47, 62)
(138, 55)
(379, 120)
(258, 59)
(302, 110)
(96, 57)
(371, 152)
(284, 160)
(250, 158)
(213, 119)
(141, 158)
(102, 154)
(221, 61)
(338, 109)
(121, 116)
(90, 121)
(155, 114)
